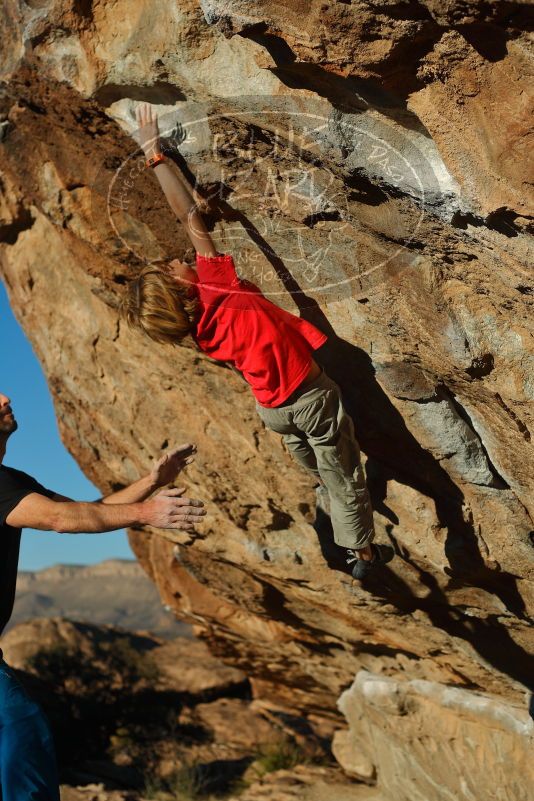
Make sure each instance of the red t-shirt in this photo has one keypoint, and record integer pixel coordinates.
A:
(269, 346)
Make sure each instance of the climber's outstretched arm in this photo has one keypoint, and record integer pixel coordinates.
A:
(175, 188)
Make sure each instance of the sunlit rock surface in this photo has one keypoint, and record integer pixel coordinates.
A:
(368, 167)
(396, 725)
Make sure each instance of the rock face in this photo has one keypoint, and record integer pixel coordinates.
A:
(396, 724)
(367, 166)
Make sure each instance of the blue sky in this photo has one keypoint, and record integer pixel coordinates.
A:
(37, 449)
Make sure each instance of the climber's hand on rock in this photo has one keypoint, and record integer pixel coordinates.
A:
(148, 129)
(167, 468)
(169, 509)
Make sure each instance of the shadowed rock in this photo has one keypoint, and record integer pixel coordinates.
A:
(399, 222)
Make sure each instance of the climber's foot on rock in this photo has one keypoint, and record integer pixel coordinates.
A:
(381, 554)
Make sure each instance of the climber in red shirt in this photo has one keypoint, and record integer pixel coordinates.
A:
(231, 321)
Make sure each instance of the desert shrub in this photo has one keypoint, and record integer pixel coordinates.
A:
(282, 755)
(92, 701)
(210, 781)
(115, 664)
(132, 665)
(184, 784)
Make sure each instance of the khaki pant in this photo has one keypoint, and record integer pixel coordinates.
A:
(320, 434)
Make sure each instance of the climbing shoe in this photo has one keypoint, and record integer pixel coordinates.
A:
(362, 567)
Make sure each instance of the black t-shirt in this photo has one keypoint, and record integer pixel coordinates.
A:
(14, 486)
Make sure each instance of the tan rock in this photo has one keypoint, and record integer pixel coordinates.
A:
(401, 220)
(188, 666)
(416, 729)
(307, 783)
(480, 118)
(97, 792)
(233, 720)
(352, 757)
(26, 640)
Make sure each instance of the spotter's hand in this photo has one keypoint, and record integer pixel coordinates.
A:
(171, 464)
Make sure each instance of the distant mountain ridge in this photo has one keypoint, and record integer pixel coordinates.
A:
(110, 567)
(115, 592)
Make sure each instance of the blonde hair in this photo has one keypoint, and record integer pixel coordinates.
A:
(159, 307)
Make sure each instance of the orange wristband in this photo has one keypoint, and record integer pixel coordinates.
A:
(153, 160)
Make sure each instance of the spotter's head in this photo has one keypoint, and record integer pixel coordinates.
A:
(8, 424)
